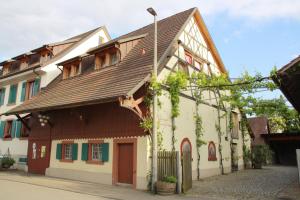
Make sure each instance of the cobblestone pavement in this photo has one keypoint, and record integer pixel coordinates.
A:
(264, 184)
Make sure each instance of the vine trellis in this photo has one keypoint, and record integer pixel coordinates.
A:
(229, 94)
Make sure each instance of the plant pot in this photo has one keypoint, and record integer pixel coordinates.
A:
(5, 166)
(257, 165)
(165, 188)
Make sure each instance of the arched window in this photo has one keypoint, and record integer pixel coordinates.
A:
(186, 146)
(212, 151)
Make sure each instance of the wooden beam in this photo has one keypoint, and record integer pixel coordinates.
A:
(23, 122)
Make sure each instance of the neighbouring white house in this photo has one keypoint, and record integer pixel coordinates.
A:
(23, 76)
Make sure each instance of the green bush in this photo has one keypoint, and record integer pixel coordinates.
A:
(261, 154)
(170, 179)
(7, 162)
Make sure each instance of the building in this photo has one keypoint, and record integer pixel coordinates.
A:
(259, 126)
(87, 126)
(23, 76)
(287, 78)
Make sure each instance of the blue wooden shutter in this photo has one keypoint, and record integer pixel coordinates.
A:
(84, 151)
(12, 94)
(18, 129)
(2, 123)
(58, 151)
(36, 86)
(23, 93)
(105, 151)
(74, 151)
(13, 129)
(2, 97)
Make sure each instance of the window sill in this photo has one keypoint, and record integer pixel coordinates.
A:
(212, 159)
(11, 104)
(23, 138)
(66, 161)
(94, 162)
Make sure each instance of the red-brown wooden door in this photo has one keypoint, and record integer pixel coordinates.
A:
(38, 156)
(125, 163)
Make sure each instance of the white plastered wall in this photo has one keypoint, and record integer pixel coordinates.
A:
(80, 170)
(185, 122)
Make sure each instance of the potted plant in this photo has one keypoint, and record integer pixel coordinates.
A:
(167, 186)
(260, 155)
(7, 162)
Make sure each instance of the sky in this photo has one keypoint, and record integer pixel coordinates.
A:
(252, 35)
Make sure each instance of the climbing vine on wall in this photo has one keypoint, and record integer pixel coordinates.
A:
(175, 82)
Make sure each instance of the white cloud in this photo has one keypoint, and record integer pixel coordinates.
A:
(28, 24)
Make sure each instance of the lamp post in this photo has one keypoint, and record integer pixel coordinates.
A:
(154, 126)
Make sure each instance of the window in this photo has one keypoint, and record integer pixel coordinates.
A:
(66, 72)
(188, 58)
(12, 94)
(30, 89)
(99, 61)
(70, 70)
(212, 151)
(2, 96)
(67, 151)
(113, 58)
(8, 129)
(74, 70)
(198, 65)
(96, 152)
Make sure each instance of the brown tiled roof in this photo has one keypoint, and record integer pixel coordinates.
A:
(112, 82)
(288, 81)
(259, 125)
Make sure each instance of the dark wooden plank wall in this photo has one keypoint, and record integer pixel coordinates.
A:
(102, 120)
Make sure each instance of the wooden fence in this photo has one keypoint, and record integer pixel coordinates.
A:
(167, 164)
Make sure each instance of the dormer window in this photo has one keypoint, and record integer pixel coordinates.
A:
(6, 69)
(71, 70)
(113, 58)
(24, 63)
(99, 61)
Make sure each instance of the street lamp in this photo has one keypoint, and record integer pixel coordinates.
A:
(154, 126)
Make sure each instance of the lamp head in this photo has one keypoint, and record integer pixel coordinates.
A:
(151, 11)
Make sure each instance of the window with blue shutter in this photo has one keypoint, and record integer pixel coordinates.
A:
(36, 86)
(2, 123)
(2, 96)
(58, 151)
(12, 94)
(85, 151)
(105, 151)
(23, 93)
